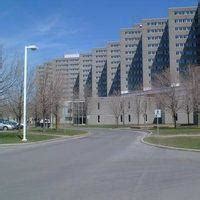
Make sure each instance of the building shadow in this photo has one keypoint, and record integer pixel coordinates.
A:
(116, 84)
(88, 85)
(102, 84)
(161, 59)
(135, 74)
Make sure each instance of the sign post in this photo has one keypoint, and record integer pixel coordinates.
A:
(157, 113)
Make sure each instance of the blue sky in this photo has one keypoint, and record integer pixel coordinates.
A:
(64, 26)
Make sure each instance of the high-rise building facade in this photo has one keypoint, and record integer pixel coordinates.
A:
(144, 51)
(99, 72)
(183, 40)
(85, 75)
(131, 58)
(155, 49)
(113, 68)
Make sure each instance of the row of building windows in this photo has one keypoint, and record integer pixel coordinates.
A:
(115, 62)
(164, 59)
(186, 61)
(154, 38)
(86, 61)
(185, 36)
(128, 66)
(159, 52)
(183, 28)
(183, 20)
(158, 45)
(101, 56)
(181, 36)
(131, 45)
(115, 45)
(121, 118)
(192, 44)
(155, 23)
(129, 52)
(115, 51)
(99, 66)
(188, 12)
(68, 60)
(129, 59)
(86, 70)
(132, 39)
(132, 32)
(100, 61)
(101, 51)
(188, 52)
(155, 30)
(113, 68)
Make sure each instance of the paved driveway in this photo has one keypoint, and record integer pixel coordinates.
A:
(108, 165)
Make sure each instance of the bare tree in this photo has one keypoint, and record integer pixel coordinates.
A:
(56, 95)
(14, 100)
(146, 104)
(187, 101)
(43, 92)
(168, 97)
(137, 109)
(7, 74)
(86, 105)
(191, 83)
(116, 106)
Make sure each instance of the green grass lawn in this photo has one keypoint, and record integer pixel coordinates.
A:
(188, 142)
(36, 134)
(14, 137)
(65, 132)
(177, 131)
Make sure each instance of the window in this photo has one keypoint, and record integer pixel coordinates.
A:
(98, 118)
(129, 118)
(121, 118)
(98, 106)
(129, 105)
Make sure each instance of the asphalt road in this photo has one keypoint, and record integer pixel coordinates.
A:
(108, 165)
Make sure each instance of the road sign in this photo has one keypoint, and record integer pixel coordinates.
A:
(157, 113)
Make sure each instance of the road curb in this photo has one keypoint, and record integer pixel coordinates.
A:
(164, 146)
(61, 138)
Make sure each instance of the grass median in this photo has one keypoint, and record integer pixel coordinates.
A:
(177, 131)
(187, 142)
(188, 138)
(15, 137)
(37, 134)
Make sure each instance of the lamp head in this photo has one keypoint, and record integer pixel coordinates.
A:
(32, 47)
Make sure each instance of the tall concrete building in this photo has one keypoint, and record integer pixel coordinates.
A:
(143, 52)
(131, 58)
(45, 71)
(183, 40)
(69, 66)
(155, 49)
(99, 72)
(85, 75)
(113, 68)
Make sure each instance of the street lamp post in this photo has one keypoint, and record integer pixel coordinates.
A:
(31, 47)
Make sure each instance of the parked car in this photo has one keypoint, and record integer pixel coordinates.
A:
(1, 126)
(6, 126)
(10, 124)
(15, 124)
(47, 123)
